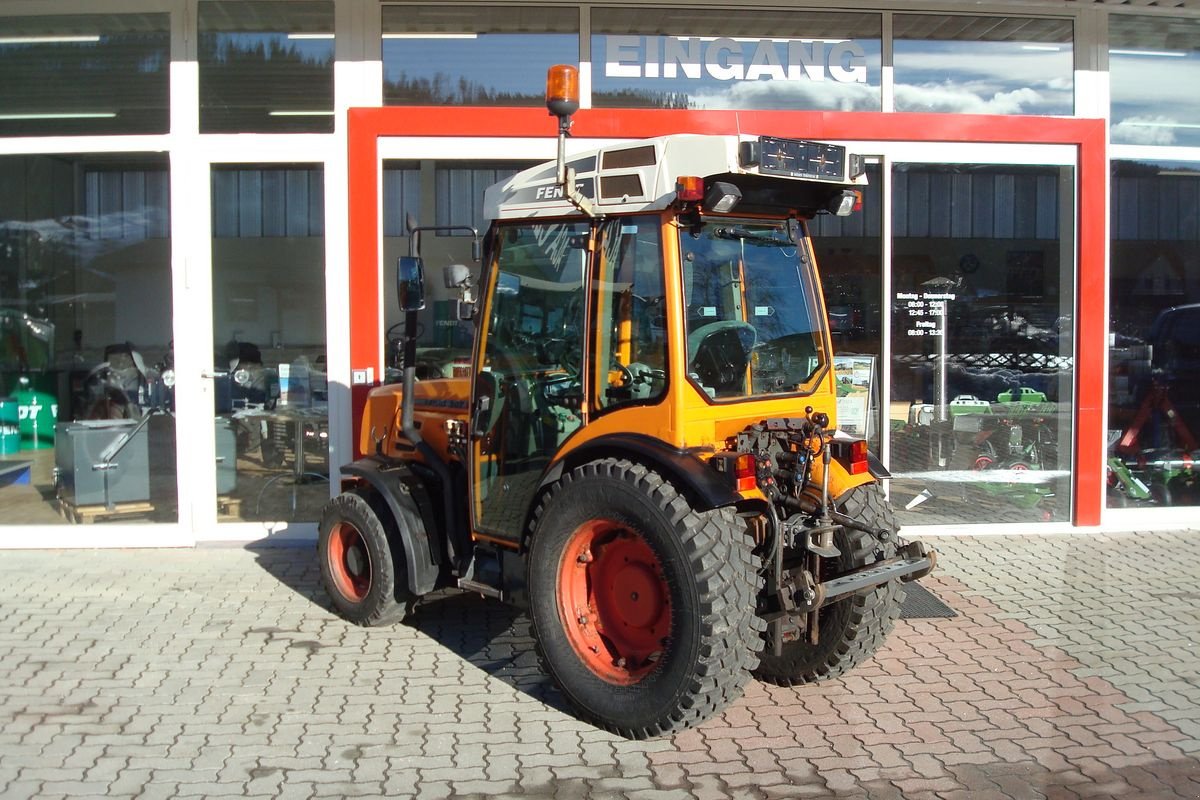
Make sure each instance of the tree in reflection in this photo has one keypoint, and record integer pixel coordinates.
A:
(245, 76)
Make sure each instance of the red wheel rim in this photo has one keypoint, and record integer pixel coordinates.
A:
(349, 562)
(614, 601)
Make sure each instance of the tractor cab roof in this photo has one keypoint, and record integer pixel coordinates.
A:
(773, 175)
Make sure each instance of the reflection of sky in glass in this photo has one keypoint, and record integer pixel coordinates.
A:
(984, 77)
(1155, 99)
(227, 46)
(493, 68)
(711, 73)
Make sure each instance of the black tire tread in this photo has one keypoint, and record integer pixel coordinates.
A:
(719, 552)
(394, 602)
(872, 614)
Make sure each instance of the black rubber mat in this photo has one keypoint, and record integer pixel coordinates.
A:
(920, 603)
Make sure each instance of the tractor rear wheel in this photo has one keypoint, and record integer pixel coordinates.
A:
(853, 628)
(358, 564)
(642, 607)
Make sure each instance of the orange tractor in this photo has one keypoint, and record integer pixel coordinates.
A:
(643, 454)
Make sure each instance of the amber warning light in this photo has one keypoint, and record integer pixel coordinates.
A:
(562, 90)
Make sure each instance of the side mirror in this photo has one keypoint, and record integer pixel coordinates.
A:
(410, 283)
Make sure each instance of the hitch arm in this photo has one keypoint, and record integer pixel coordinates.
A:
(915, 561)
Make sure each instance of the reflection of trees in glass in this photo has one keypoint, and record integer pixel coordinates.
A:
(444, 88)
(643, 98)
(124, 74)
(243, 76)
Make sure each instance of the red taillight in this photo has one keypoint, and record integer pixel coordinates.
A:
(745, 473)
(851, 454)
(739, 469)
(690, 188)
(858, 457)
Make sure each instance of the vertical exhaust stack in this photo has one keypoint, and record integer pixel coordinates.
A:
(562, 100)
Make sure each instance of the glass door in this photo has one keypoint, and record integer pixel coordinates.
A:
(270, 415)
(982, 296)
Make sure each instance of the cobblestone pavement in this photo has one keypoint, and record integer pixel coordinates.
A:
(1070, 671)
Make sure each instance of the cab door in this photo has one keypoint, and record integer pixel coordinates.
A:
(530, 387)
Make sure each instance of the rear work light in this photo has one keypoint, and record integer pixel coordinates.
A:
(851, 454)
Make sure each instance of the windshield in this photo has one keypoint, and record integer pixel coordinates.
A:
(753, 324)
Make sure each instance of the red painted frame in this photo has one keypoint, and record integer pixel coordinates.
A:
(366, 125)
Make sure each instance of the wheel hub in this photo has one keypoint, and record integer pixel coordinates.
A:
(349, 562)
(614, 601)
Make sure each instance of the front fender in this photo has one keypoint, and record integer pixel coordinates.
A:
(402, 490)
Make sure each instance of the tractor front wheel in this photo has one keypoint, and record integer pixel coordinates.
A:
(642, 607)
(358, 565)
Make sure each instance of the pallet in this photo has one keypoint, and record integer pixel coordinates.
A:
(89, 514)
(229, 506)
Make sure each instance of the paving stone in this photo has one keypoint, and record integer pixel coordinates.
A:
(213, 672)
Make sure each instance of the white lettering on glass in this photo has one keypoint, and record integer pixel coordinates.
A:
(681, 53)
(723, 60)
(847, 63)
(734, 59)
(765, 63)
(622, 58)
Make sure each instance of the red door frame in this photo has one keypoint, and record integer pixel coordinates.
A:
(366, 125)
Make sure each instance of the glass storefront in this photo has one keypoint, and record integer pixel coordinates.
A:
(670, 58)
(474, 55)
(850, 258)
(1154, 68)
(271, 419)
(961, 374)
(983, 65)
(86, 426)
(84, 74)
(981, 409)
(1154, 354)
(265, 66)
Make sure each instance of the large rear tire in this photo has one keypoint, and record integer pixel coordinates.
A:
(852, 629)
(642, 607)
(358, 564)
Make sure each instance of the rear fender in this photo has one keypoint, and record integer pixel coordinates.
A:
(705, 488)
(405, 496)
(840, 479)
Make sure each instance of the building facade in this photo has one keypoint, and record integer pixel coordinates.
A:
(200, 200)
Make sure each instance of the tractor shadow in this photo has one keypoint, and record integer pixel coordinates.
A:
(491, 636)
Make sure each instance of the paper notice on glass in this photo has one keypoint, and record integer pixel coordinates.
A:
(852, 413)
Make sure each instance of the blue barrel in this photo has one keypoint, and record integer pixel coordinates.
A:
(10, 426)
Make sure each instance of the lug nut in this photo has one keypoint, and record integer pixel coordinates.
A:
(585, 557)
(583, 619)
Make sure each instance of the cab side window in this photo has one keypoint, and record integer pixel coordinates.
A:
(631, 353)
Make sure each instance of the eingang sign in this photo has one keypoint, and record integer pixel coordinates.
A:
(734, 59)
